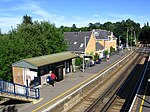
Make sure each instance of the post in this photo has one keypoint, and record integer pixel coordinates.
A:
(84, 51)
(27, 91)
(127, 38)
(83, 64)
(119, 41)
(131, 39)
(135, 38)
(85, 45)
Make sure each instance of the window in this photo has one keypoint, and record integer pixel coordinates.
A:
(96, 33)
(75, 43)
(81, 45)
(75, 33)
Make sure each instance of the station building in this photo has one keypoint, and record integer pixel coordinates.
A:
(34, 71)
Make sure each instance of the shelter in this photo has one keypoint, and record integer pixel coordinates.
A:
(34, 71)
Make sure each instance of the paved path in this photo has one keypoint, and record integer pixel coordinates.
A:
(52, 94)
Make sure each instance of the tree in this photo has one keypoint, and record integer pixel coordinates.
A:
(109, 26)
(91, 26)
(27, 20)
(145, 34)
(74, 28)
(40, 38)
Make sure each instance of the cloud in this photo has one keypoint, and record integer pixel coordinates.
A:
(136, 18)
(13, 15)
(6, 23)
(36, 9)
(96, 15)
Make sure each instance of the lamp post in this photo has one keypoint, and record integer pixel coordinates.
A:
(84, 51)
(135, 38)
(127, 38)
(119, 40)
(131, 37)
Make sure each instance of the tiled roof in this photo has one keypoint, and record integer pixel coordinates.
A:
(36, 62)
(76, 40)
(99, 46)
(101, 34)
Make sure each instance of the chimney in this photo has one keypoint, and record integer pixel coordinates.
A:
(111, 34)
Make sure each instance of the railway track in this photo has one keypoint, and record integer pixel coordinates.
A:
(104, 92)
(121, 100)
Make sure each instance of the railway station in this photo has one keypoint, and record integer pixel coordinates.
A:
(68, 93)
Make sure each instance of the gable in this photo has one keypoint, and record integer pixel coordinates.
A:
(24, 64)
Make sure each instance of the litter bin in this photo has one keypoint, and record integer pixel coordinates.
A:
(48, 79)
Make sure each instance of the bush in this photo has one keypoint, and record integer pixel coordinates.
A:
(112, 49)
(78, 61)
(106, 52)
(96, 57)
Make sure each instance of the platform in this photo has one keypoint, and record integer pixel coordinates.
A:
(50, 95)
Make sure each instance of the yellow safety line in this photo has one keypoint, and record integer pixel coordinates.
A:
(142, 103)
(75, 86)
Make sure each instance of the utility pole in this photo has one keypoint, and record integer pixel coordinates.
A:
(135, 38)
(131, 37)
(127, 38)
(119, 40)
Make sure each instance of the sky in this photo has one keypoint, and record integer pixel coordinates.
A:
(69, 12)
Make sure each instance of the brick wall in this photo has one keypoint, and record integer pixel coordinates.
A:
(18, 75)
(91, 45)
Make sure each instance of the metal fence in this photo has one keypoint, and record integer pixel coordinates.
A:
(17, 89)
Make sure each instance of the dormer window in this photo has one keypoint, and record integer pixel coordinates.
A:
(96, 33)
(75, 43)
(81, 45)
(76, 34)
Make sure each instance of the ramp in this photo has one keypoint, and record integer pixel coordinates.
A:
(18, 92)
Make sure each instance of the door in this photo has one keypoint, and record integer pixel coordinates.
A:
(59, 73)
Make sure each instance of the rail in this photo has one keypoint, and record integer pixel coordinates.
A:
(135, 97)
(19, 90)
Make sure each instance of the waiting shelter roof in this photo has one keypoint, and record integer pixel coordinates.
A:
(36, 62)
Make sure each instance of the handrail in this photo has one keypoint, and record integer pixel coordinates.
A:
(19, 90)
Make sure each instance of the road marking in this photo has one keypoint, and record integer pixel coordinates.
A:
(37, 101)
(142, 103)
(79, 84)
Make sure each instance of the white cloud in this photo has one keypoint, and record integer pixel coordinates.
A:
(6, 23)
(136, 18)
(96, 15)
(9, 17)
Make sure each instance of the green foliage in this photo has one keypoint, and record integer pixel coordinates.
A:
(92, 53)
(28, 40)
(145, 34)
(96, 56)
(78, 61)
(118, 28)
(112, 49)
(32, 39)
(27, 20)
(106, 52)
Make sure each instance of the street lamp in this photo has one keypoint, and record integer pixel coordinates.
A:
(131, 37)
(135, 38)
(127, 38)
(119, 40)
(85, 37)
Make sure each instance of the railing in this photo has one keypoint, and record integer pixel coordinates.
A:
(20, 90)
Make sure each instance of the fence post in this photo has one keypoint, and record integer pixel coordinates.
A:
(37, 93)
(26, 87)
(14, 89)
